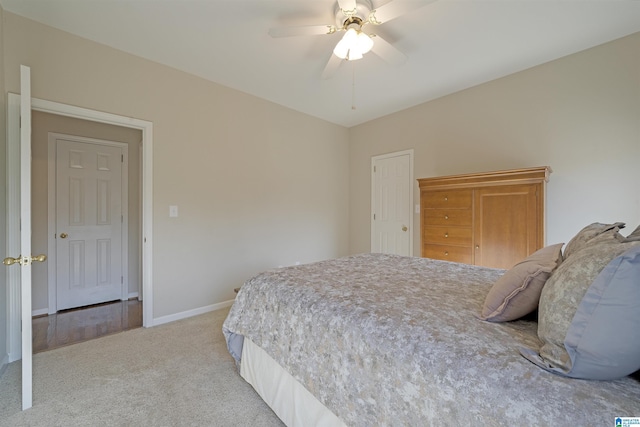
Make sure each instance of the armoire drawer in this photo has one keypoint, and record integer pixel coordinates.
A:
(447, 217)
(448, 253)
(460, 236)
(449, 199)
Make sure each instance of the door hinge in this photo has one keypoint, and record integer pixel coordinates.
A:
(121, 279)
(374, 169)
(374, 217)
(121, 158)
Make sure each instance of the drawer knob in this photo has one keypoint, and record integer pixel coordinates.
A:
(446, 253)
(446, 234)
(446, 198)
(446, 217)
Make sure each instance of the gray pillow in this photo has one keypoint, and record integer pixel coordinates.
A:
(589, 321)
(581, 239)
(635, 235)
(517, 292)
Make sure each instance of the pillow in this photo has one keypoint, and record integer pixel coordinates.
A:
(588, 233)
(588, 315)
(635, 235)
(517, 292)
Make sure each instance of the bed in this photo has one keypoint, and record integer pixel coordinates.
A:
(387, 340)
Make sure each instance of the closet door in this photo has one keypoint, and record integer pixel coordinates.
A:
(507, 224)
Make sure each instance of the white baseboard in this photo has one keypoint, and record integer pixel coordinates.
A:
(40, 312)
(190, 313)
(133, 295)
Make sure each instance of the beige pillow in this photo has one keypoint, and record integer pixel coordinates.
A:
(581, 239)
(517, 292)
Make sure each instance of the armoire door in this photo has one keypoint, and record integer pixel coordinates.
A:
(507, 222)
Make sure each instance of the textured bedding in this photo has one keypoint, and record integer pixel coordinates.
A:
(385, 340)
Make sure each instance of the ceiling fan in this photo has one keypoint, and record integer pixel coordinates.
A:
(352, 16)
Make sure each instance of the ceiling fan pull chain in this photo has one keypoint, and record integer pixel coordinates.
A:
(353, 86)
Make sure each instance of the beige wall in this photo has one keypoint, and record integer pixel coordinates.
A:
(41, 125)
(579, 114)
(3, 210)
(257, 185)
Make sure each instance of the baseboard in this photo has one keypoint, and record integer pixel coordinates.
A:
(133, 295)
(40, 312)
(190, 313)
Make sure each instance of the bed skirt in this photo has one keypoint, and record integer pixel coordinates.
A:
(289, 399)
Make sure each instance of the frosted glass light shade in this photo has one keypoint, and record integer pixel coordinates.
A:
(353, 45)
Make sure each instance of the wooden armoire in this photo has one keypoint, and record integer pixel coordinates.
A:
(493, 219)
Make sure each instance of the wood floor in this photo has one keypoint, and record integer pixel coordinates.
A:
(77, 325)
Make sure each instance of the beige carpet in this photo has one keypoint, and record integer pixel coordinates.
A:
(171, 375)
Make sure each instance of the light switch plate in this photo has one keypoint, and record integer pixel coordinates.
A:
(173, 211)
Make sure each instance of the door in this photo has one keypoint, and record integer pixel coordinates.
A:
(89, 223)
(24, 259)
(391, 202)
(507, 223)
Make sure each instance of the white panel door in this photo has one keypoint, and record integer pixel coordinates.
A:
(89, 268)
(19, 232)
(391, 202)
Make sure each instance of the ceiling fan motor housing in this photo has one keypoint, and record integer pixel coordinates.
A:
(363, 8)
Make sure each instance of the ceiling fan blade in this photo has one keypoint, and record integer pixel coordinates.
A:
(332, 66)
(347, 6)
(308, 30)
(387, 52)
(394, 9)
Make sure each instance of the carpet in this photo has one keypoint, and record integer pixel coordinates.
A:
(176, 374)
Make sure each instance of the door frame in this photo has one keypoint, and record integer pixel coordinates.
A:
(374, 159)
(13, 193)
(52, 197)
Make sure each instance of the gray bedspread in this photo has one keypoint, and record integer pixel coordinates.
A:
(385, 340)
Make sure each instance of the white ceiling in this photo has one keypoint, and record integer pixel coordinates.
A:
(451, 44)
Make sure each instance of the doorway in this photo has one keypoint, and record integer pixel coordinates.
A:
(13, 209)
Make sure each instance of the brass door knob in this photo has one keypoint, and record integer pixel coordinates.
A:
(11, 261)
(63, 235)
(404, 228)
(39, 258)
(24, 260)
